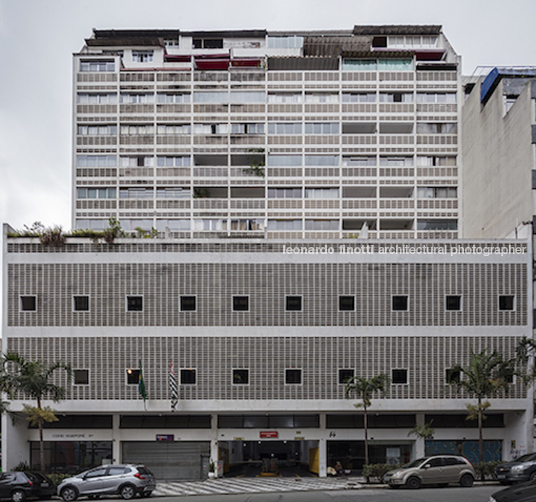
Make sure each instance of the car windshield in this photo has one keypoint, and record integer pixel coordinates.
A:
(415, 463)
(526, 458)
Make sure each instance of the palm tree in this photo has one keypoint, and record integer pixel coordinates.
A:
(364, 389)
(32, 378)
(483, 377)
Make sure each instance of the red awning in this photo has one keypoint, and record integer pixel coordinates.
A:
(430, 55)
(177, 58)
(246, 62)
(213, 64)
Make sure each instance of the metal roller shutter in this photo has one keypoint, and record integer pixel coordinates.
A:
(169, 460)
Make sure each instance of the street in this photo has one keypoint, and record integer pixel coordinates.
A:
(448, 494)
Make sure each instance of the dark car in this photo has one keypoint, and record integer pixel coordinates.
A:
(125, 480)
(18, 486)
(525, 492)
(518, 470)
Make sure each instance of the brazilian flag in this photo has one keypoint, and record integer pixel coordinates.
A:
(141, 384)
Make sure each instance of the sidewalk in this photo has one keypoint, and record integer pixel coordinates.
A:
(224, 486)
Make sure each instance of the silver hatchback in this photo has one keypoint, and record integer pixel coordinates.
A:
(438, 470)
(126, 480)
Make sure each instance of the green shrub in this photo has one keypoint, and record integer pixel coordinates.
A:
(377, 471)
(57, 478)
(22, 466)
(485, 469)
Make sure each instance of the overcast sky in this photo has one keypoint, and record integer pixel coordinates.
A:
(38, 37)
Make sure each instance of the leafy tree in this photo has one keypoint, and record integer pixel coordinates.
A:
(33, 379)
(364, 389)
(423, 431)
(483, 377)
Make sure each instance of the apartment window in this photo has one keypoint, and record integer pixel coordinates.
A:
(322, 225)
(359, 64)
(133, 377)
(506, 302)
(96, 193)
(436, 97)
(136, 193)
(284, 225)
(359, 161)
(284, 193)
(293, 303)
(96, 99)
(284, 160)
(285, 97)
(247, 225)
(396, 161)
(452, 376)
(321, 160)
(188, 303)
(345, 376)
(436, 160)
(359, 97)
(181, 161)
(290, 42)
(396, 97)
(399, 376)
(131, 225)
(322, 128)
(247, 128)
(162, 225)
(174, 129)
(134, 303)
(321, 97)
(173, 193)
(28, 303)
(437, 192)
(240, 303)
(137, 98)
(142, 56)
(137, 130)
(240, 377)
(81, 303)
(321, 193)
(81, 377)
(437, 224)
(97, 66)
(96, 161)
(220, 97)
(453, 302)
(94, 130)
(399, 302)
(210, 225)
(92, 224)
(346, 303)
(173, 98)
(285, 128)
(207, 43)
(395, 65)
(243, 97)
(136, 161)
(293, 377)
(437, 128)
(188, 377)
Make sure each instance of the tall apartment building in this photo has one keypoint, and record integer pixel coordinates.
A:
(257, 134)
(296, 144)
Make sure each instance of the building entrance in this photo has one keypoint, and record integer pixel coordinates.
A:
(269, 458)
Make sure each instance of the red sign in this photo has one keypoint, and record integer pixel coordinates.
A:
(269, 434)
(165, 437)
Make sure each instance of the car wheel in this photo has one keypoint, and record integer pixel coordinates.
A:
(69, 494)
(18, 496)
(413, 483)
(466, 480)
(127, 492)
(532, 476)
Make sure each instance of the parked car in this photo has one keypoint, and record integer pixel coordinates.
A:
(126, 480)
(525, 492)
(439, 470)
(18, 486)
(518, 470)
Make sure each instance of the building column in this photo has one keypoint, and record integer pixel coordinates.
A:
(419, 445)
(116, 443)
(322, 448)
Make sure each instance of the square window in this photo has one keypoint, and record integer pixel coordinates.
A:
(346, 303)
(453, 302)
(452, 376)
(400, 302)
(294, 303)
(81, 377)
(240, 303)
(28, 303)
(240, 377)
(293, 377)
(135, 303)
(188, 377)
(81, 303)
(188, 303)
(400, 376)
(506, 302)
(133, 377)
(345, 376)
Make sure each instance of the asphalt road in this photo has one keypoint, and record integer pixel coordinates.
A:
(448, 494)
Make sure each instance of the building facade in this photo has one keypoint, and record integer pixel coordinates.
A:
(256, 134)
(262, 336)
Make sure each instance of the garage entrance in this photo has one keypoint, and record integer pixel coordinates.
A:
(269, 458)
(169, 460)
